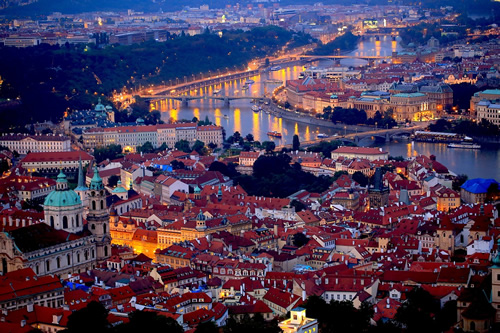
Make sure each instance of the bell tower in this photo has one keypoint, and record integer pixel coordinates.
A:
(98, 217)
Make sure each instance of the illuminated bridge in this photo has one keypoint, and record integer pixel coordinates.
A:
(185, 99)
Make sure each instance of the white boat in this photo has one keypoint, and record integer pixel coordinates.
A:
(249, 81)
(465, 145)
(226, 116)
(275, 68)
(245, 87)
(255, 108)
(322, 136)
(217, 91)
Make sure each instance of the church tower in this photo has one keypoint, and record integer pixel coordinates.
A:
(98, 217)
(63, 207)
(82, 189)
(495, 282)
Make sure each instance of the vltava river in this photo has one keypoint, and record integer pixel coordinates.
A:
(240, 117)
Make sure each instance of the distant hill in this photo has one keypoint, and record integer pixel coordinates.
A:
(45, 7)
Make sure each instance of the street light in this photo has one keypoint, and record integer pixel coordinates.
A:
(345, 130)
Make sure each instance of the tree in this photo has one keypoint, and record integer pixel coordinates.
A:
(113, 180)
(267, 62)
(110, 152)
(207, 327)
(4, 166)
(458, 181)
(360, 178)
(269, 146)
(177, 165)
(298, 205)
(78, 321)
(295, 143)
(183, 145)
(163, 147)
(299, 239)
(199, 147)
(249, 137)
(149, 321)
(417, 314)
(147, 147)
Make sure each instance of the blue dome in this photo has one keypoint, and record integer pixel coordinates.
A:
(119, 188)
(62, 196)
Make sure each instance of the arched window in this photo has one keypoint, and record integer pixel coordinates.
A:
(102, 204)
(47, 266)
(77, 220)
(58, 262)
(86, 255)
(105, 251)
(65, 222)
(93, 227)
(52, 221)
(37, 269)
(93, 253)
(78, 257)
(93, 205)
(104, 228)
(68, 259)
(472, 326)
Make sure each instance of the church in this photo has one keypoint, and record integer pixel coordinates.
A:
(64, 244)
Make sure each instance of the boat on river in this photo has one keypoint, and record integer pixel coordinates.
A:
(275, 68)
(465, 145)
(274, 134)
(255, 108)
(322, 136)
(249, 81)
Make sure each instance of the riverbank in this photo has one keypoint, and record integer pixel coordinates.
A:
(279, 112)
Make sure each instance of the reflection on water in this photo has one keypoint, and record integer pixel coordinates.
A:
(476, 163)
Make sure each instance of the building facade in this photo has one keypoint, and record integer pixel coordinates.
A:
(24, 144)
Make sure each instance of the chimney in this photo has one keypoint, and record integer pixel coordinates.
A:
(29, 307)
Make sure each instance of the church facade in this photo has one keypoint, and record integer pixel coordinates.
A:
(63, 244)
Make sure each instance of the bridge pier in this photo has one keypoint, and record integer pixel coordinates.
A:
(184, 101)
(387, 137)
(356, 139)
(226, 101)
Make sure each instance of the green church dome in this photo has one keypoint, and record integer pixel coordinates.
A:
(119, 188)
(62, 196)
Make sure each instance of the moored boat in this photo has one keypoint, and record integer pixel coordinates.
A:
(274, 134)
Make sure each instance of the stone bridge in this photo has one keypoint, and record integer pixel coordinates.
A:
(185, 99)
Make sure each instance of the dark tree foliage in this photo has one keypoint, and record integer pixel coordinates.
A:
(208, 327)
(183, 145)
(325, 147)
(299, 239)
(298, 205)
(346, 42)
(251, 325)
(227, 170)
(339, 316)
(147, 147)
(360, 178)
(146, 321)
(348, 116)
(295, 143)
(458, 181)
(176, 165)
(113, 180)
(78, 321)
(53, 78)
(417, 314)
(110, 152)
(274, 176)
(462, 94)
(466, 127)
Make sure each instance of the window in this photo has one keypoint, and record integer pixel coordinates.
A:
(68, 259)
(65, 222)
(52, 221)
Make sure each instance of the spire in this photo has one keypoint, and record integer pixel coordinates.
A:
(96, 182)
(81, 182)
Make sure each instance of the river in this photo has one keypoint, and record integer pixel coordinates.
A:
(240, 117)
